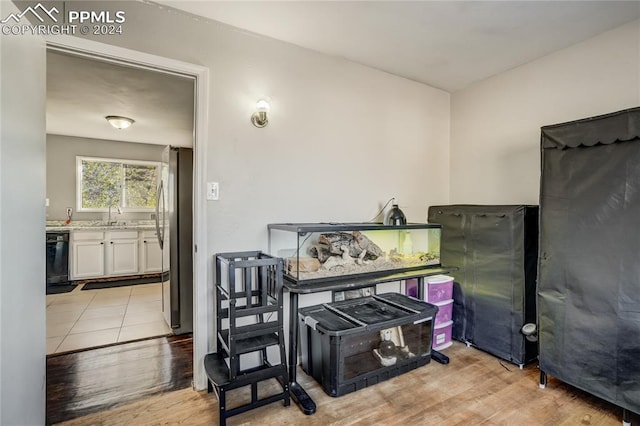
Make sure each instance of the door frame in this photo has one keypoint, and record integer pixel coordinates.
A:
(120, 55)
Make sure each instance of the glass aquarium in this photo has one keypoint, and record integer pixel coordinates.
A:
(327, 251)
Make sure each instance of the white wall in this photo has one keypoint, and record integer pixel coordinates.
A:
(495, 124)
(341, 141)
(342, 138)
(22, 265)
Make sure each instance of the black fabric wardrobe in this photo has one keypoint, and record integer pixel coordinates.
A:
(495, 249)
(589, 267)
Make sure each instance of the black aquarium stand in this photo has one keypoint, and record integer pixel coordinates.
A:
(298, 394)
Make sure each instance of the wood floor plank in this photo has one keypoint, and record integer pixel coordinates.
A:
(474, 389)
(85, 382)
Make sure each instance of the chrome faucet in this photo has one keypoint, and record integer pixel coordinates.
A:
(113, 222)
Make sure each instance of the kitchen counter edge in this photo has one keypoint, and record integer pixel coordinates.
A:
(101, 228)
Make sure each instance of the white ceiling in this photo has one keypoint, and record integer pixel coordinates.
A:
(81, 92)
(445, 44)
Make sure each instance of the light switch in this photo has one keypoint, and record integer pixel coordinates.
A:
(213, 191)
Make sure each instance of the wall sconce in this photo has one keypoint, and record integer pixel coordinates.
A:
(259, 118)
(119, 122)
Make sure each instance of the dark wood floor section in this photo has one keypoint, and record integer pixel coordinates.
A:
(90, 381)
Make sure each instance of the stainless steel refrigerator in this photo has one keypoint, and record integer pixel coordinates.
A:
(174, 227)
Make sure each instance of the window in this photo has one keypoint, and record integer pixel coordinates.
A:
(104, 182)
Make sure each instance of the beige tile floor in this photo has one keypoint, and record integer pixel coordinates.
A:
(83, 319)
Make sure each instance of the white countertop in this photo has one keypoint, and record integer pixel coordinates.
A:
(99, 225)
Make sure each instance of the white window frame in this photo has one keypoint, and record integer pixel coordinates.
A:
(80, 159)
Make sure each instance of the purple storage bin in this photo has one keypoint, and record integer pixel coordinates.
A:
(439, 288)
(445, 312)
(442, 335)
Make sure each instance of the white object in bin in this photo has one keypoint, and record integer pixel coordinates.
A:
(445, 312)
(439, 288)
(311, 322)
(441, 334)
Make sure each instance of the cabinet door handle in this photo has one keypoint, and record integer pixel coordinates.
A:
(101, 242)
(110, 242)
(145, 241)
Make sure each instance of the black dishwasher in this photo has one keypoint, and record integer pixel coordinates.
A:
(57, 257)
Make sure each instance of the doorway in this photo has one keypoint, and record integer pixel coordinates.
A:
(102, 190)
(126, 57)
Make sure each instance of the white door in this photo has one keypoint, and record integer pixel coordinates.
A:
(151, 257)
(22, 225)
(88, 259)
(123, 257)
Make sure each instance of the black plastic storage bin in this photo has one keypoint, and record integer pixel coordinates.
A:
(338, 339)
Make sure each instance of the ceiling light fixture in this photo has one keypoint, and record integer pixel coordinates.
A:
(259, 118)
(119, 122)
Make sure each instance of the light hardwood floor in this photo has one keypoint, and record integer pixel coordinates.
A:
(475, 388)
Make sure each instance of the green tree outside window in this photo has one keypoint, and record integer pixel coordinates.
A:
(125, 183)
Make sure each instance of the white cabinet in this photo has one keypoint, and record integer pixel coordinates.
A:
(96, 254)
(87, 255)
(150, 253)
(122, 252)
